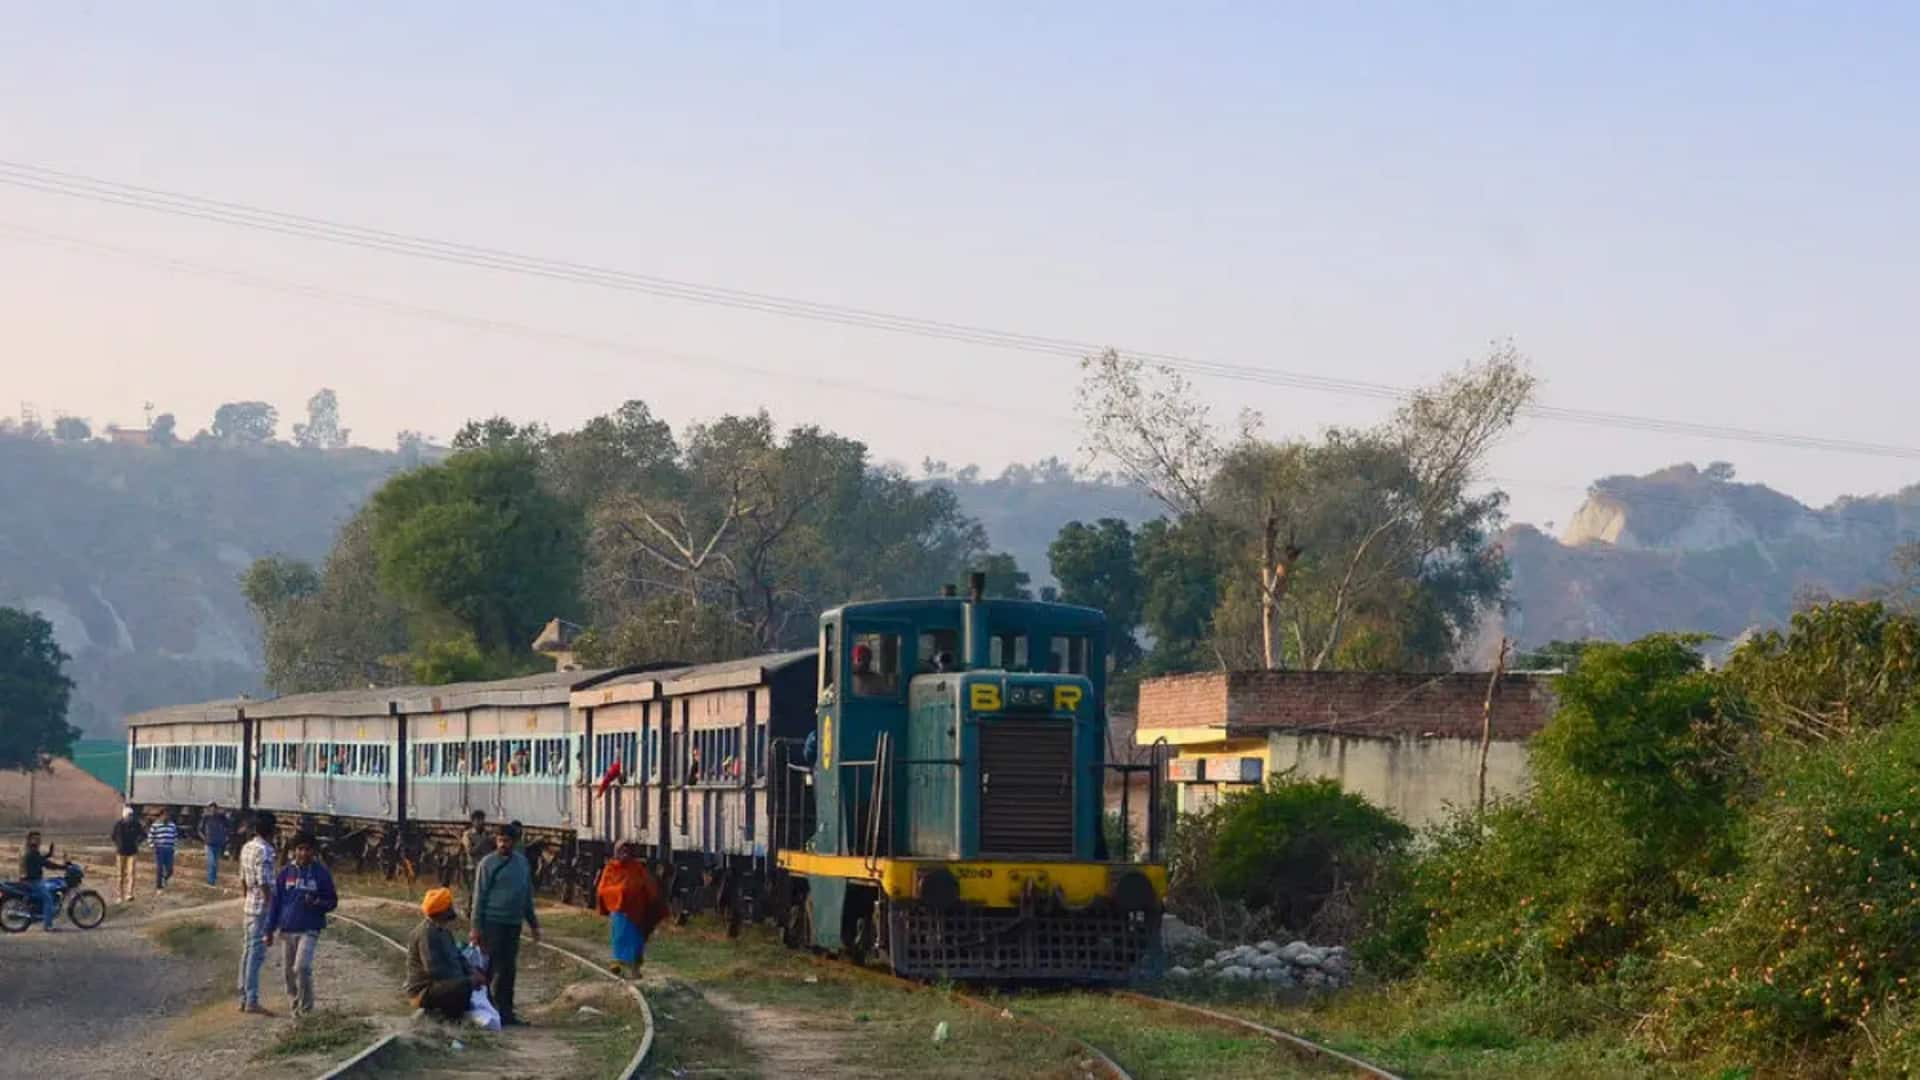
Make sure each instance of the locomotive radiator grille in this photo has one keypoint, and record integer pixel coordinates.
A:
(1026, 787)
(981, 943)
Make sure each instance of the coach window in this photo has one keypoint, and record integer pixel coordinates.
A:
(876, 665)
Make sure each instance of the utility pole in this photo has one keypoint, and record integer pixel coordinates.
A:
(1486, 720)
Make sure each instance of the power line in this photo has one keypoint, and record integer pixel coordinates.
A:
(502, 326)
(73, 185)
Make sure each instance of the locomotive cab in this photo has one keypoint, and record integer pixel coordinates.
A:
(959, 774)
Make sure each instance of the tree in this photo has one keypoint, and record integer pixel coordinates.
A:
(410, 446)
(162, 433)
(322, 431)
(273, 584)
(624, 451)
(763, 528)
(479, 541)
(338, 628)
(1005, 579)
(1367, 547)
(245, 422)
(499, 433)
(71, 429)
(34, 690)
(1096, 567)
(1842, 667)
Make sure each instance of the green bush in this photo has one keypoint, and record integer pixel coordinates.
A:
(1299, 856)
(1629, 817)
(1819, 928)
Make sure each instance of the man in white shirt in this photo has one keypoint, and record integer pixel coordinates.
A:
(256, 886)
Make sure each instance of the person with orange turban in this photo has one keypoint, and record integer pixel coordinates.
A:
(631, 900)
(439, 979)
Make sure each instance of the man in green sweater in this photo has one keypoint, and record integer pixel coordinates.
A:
(439, 979)
(502, 900)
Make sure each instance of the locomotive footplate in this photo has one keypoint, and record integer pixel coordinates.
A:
(1040, 943)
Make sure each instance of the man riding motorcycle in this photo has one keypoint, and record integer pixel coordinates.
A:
(34, 865)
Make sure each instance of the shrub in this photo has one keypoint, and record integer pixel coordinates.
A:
(1629, 816)
(1297, 855)
(1819, 928)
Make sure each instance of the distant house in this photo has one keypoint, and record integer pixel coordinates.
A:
(130, 436)
(1408, 743)
(556, 641)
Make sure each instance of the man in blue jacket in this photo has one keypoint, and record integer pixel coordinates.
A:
(214, 828)
(302, 896)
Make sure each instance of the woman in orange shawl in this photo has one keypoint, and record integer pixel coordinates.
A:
(631, 900)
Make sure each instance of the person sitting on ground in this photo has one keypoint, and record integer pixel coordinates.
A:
(303, 893)
(632, 903)
(34, 865)
(439, 979)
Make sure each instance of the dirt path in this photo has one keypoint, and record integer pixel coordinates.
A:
(152, 994)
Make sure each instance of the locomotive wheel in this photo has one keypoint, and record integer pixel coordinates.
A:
(798, 933)
(861, 942)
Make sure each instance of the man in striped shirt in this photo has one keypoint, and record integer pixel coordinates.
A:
(256, 885)
(163, 836)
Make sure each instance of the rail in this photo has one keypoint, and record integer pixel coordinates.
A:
(1288, 1039)
(634, 1064)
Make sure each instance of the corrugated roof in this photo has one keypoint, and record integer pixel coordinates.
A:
(203, 712)
(373, 702)
(546, 688)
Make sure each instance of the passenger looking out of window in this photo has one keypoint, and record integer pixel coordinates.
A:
(873, 675)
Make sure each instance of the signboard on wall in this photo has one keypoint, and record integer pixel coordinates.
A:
(1187, 770)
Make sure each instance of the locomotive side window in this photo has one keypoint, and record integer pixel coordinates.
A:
(876, 665)
(1067, 655)
(938, 648)
(829, 658)
(1007, 651)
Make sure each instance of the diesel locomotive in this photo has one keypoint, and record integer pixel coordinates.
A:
(926, 786)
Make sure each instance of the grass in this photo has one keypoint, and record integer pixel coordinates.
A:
(1426, 1031)
(198, 940)
(321, 1032)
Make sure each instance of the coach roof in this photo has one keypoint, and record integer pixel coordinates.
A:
(329, 703)
(224, 711)
(674, 681)
(547, 688)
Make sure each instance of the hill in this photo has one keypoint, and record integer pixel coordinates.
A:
(1024, 507)
(1691, 549)
(134, 554)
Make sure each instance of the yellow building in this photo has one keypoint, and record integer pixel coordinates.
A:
(1408, 743)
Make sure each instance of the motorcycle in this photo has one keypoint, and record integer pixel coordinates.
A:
(20, 902)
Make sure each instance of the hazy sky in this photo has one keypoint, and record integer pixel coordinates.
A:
(1701, 211)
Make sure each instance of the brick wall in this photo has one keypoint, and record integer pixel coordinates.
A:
(1184, 701)
(1348, 702)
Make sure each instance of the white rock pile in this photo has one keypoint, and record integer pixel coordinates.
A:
(1295, 965)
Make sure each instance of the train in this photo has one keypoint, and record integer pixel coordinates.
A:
(926, 786)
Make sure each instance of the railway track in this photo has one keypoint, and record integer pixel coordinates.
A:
(1098, 1061)
(1299, 1044)
(373, 1049)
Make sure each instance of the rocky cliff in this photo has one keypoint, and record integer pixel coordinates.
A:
(135, 555)
(1691, 549)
